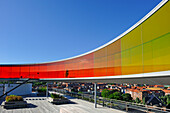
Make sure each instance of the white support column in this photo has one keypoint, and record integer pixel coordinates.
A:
(95, 94)
(8, 84)
(47, 90)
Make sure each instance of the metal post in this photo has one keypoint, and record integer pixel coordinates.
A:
(3, 88)
(110, 104)
(6, 88)
(95, 94)
(103, 102)
(8, 84)
(127, 107)
(47, 90)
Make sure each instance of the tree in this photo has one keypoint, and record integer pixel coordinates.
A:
(167, 99)
(105, 93)
(126, 97)
(111, 96)
(117, 95)
(168, 105)
(143, 100)
(80, 92)
(73, 90)
(138, 100)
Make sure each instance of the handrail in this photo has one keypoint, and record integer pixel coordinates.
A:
(140, 107)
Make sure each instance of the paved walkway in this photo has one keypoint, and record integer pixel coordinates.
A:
(40, 105)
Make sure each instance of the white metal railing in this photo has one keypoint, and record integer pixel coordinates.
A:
(127, 105)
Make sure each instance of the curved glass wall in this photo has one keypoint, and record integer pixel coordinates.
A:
(144, 49)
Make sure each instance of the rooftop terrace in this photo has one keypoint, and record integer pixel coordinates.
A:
(41, 105)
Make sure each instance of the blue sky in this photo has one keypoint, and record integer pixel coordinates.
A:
(34, 31)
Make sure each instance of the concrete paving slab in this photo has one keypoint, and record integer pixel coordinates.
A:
(41, 105)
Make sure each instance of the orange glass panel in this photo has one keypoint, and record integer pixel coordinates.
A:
(100, 62)
(51, 70)
(114, 58)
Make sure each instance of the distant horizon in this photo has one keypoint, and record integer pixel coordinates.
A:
(40, 48)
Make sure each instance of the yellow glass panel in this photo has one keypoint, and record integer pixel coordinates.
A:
(161, 53)
(156, 39)
(132, 61)
(126, 61)
(136, 65)
(131, 46)
(148, 57)
(157, 25)
(131, 39)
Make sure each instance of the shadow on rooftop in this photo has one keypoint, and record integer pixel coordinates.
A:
(29, 105)
(71, 102)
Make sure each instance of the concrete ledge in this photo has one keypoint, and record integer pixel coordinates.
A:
(14, 104)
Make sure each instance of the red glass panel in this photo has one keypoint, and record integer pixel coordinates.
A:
(5, 71)
(16, 72)
(25, 71)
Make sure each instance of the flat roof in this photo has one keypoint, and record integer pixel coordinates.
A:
(41, 105)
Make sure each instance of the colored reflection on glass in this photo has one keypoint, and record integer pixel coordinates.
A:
(142, 50)
(156, 39)
(100, 62)
(114, 58)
